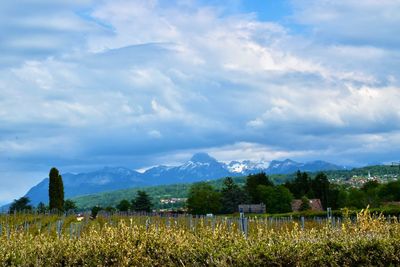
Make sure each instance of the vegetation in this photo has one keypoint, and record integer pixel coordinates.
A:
(124, 205)
(231, 196)
(21, 204)
(156, 193)
(305, 204)
(277, 199)
(203, 199)
(41, 208)
(260, 188)
(56, 190)
(106, 199)
(252, 183)
(142, 202)
(38, 240)
(378, 170)
(69, 205)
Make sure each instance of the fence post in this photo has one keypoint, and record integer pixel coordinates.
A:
(59, 228)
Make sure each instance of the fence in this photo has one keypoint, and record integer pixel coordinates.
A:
(67, 226)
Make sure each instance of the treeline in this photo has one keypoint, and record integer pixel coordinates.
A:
(204, 198)
(372, 193)
(23, 204)
(141, 203)
(56, 198)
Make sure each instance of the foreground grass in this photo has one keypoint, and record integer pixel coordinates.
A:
(202, 242)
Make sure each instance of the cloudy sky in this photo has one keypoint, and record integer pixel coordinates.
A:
(84, 84)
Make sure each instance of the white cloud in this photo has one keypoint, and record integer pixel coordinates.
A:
(370, 21)
(155, 134)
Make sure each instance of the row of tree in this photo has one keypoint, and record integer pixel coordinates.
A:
(204, 198)
(372, 193)
(23, 204)
(56, 197)
(142, 202)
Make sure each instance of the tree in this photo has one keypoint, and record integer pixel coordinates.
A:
(95, 210)
(267, 196)
(142, 202)
(60, 192)
(283, 199)
(277, 199)
(333, 196)
(371, 189)
(124, 205)
(356, 199)
(69, 205)
(41, 208)
(390, 191)
(370, 185)
(305, 204)
(231, 196)
(301, 185)
(320, 186)
(342, 198)
(203, 199)
(20, 204)
(252, 182)
(56, 190)
(109, 209)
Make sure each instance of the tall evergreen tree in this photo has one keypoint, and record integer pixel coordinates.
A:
(231, 196)
(301, 185)
(320, 186)
(60, 193)
(142, 202)
(124, 205)
(56, 190)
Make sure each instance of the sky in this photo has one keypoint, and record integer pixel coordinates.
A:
(86, 84)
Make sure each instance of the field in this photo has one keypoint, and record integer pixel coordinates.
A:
(50, 240)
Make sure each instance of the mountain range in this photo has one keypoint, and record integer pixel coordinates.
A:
(200, 167)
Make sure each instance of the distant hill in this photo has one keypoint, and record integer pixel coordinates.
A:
(376, 170)
(106, 199)
(181, 190)
(106, 179)
(200, 167)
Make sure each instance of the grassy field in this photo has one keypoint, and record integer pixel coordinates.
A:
(33, 240)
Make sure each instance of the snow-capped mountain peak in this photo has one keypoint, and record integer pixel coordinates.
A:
(247, 166)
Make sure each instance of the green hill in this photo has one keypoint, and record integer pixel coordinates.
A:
(112, 198)
(156, 193)
(181, 190)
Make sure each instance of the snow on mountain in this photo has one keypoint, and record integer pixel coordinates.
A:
(246, 166)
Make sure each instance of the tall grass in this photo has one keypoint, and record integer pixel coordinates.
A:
(154, 241)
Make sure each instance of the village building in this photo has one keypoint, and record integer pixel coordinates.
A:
(252, 208)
